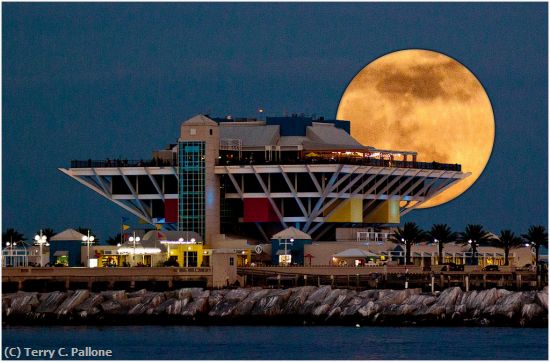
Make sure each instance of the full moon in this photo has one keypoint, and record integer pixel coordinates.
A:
(423, 101)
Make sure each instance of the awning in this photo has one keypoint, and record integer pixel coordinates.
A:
(354, 253)
(282, 252)
(61, 253)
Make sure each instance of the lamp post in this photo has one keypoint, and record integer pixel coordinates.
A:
(134, 239)
(41, 240)
(10, 253)
(88, 239)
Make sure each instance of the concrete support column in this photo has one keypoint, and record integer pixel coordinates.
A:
(467, 283)
(170, 283)
(67, 283)
(433, 284)
(441, 281)
(305, 279)
(332, 280)
(278, 280)
(484, 281)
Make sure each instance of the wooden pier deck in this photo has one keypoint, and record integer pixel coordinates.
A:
(395, 277)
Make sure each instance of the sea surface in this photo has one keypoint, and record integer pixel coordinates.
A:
(280, 342)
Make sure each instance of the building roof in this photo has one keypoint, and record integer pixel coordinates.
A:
(291, 141)
(69, 234)
(251, 135)
(199, 120)
(328, 134)
(354, 253)
(293, 233)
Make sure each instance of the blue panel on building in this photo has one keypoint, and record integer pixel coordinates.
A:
(296, 249)
(72, 247)
(296, 125)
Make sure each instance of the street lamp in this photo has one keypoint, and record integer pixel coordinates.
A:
(88, 239)
(134, 239)
(41, 240)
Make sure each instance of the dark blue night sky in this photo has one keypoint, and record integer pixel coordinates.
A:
(115, 80)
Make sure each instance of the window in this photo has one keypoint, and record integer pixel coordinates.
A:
(210, 131)
(231, 261)
(193, 131)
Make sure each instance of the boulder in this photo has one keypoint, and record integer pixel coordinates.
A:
(137, 293)
(272, 304)
(215, 297)
(77, 298)
(314, 300)
(297, 299)
(23, 303)
(114, 294)
(197, 306)
(245, 307)
(542, 298)
(51, 302)
(93, 301)
(111, 306)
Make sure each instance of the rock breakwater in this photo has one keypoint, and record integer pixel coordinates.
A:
(301, 305)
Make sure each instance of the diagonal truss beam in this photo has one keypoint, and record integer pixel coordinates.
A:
(315, 182)
(271, 201)
(395, 192)
(444, 185)
(130, 208)
(417, 183)
(234, 182)
(293, 191)
(328, 189)
(100, 182)
(155, 184)
(134, 193)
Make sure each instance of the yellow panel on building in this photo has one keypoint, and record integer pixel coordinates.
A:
(350, 210)
(386, 213)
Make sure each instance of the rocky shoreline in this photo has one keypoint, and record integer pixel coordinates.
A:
(296, 306)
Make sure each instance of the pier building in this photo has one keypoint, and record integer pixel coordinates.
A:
(253, 178)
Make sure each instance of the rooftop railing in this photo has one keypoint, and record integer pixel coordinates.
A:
(119, 163)
(347, 161)
(245, 161)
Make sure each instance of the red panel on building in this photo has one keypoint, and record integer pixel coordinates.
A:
(258, 210)
(171, 210)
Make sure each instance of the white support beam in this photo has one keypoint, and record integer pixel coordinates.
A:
(320, 202)
(271, 201)
(294, 193)
(155, 184)
(101, 183)
(395, 192)
(314, 179)
(130, 208)
(445, 185)
(234, 182)
(134, 193)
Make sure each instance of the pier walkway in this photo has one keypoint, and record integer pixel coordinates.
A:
(395, 277)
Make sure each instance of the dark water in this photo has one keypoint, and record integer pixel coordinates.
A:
(256, 342)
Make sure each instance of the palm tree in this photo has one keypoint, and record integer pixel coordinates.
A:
(114, 240)
(474, 235)
(12, 235)
(48, 232)
(441, 234)
(84, 231)
(410, 234)
(508, 240)
(537, 236)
